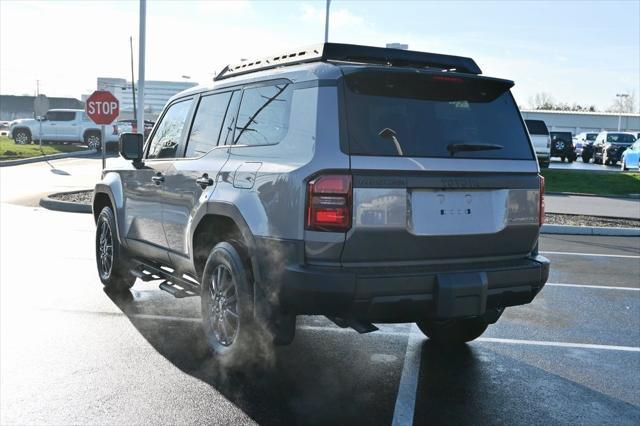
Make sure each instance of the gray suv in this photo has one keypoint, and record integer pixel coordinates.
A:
(360, 183)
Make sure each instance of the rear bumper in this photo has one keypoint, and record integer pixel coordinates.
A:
(408, 294)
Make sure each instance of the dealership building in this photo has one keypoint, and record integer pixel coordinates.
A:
(156, 94)
(576, 122)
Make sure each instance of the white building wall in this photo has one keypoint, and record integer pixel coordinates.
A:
(156, 95)
(576, 122)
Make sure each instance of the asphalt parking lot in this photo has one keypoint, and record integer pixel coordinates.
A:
(72, 355)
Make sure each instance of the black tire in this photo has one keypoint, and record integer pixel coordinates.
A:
(454, 331)
(586, 159)
(93, 140)
(562, 159)
(623, 166)
(232, 333)
(22, 137)
(544, 164)
(113, 272)
(613, 162)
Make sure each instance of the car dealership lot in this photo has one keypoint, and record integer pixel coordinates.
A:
(70, 354)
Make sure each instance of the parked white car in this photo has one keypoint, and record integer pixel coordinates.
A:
(62, 125)
(541, 140)
(631, 157)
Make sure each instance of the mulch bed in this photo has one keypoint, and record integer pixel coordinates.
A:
(82, 197)
(581, 220)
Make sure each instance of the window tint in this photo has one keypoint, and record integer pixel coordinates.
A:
(537, 127)
(61, 115)
(620, 138)
(427, 115)
(263, 118)
(592, 136)
(206, 126)
(226, 133)
(168, 137)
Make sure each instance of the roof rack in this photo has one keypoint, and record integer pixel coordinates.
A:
(355, 54)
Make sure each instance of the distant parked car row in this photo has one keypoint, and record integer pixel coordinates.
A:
(608, 148)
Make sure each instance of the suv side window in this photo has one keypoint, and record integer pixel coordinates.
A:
(207, 124)
(263, 118)
(52, 116)
(169, 135)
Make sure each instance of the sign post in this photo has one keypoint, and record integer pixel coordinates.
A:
(40, 108)
(102, 108)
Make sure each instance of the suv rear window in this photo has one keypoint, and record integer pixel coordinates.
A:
(537, 127)
(425, 113)
(620, 138)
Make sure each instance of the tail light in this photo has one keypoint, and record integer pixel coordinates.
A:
(541, 218)
(329, 203)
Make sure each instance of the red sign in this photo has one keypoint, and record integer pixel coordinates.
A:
(102, 107)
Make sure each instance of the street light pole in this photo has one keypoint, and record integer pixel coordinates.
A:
(621, 95)
(133, 82)
(326, 23)
(141, 45)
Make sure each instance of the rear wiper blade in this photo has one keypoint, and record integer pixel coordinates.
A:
(459, 147)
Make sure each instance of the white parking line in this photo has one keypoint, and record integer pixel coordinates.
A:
(604, 287)
(557, 344)
(622, 256)
(406, 399)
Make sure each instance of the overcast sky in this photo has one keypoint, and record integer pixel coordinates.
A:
(578, 51)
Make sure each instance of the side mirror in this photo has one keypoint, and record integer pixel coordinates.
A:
(131, 146)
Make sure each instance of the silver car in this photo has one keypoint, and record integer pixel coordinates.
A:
(365, 184)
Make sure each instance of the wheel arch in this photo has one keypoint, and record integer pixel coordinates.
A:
(15, 130)
(108, 192)
(222, 221)
(87, 132)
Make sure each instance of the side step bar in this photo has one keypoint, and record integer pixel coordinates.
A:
(176, 286)
(360, 326)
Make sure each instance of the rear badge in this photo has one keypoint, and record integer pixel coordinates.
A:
(457, 212)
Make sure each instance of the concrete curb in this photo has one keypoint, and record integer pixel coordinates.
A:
(579, 194)
(86, 153)
(590, 230)
(65, 206)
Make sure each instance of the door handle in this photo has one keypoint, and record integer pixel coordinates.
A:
(204, 181)
(158, 178)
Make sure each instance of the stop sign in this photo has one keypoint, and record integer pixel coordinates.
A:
(102, 107)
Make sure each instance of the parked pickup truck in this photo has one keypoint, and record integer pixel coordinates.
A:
(541, 140)
(62, 125)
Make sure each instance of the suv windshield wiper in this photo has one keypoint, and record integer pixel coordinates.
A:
(459, 147)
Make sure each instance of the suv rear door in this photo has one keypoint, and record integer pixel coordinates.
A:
(202, 160)
(442, 170)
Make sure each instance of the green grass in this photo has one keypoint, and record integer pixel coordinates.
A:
(587, 182)
(9, 150)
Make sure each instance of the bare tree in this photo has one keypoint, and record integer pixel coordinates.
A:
(624, 104)
(541, 100)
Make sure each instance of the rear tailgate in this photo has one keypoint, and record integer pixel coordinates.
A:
(443, 170)
(418, 216)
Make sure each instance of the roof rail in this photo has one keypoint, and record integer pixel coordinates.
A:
(355, 54)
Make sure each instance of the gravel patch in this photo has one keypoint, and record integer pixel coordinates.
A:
(80, 197)
(581, 220)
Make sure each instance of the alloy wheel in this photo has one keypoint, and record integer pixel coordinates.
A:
(21, 138)
(223, 306)
(105, 249)
(93, 142)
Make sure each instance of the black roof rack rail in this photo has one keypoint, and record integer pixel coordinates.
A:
(353, 53)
